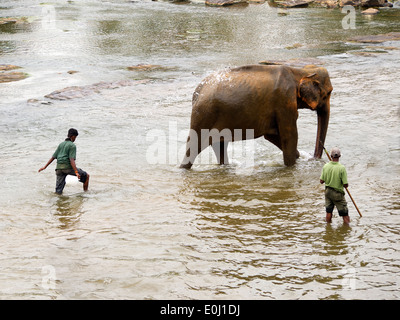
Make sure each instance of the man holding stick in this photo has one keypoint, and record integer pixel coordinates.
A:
(334, 176)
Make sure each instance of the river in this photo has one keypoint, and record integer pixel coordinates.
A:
(146, 229)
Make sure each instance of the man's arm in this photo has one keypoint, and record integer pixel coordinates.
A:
(344, 178)
(73, 165)
(322, 177)
(47, 164)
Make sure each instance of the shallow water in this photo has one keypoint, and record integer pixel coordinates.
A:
(253, 229)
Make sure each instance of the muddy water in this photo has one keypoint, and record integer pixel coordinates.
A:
(253, 229)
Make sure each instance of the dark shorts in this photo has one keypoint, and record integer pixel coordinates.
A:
(62, 174)
(335, 198)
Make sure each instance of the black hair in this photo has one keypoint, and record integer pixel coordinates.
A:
(72, 132)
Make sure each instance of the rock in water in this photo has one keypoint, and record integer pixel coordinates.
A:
(370, 11)
(6, 76)
(379, 38)
(145, 67)
(293, 4)
(372, 3)
(84, 91)
(8, 67)
(222, 3)
(12, 76)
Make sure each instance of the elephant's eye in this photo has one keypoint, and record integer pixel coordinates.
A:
(327, 94)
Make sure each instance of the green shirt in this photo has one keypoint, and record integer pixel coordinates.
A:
(335, 176)
(65, 151)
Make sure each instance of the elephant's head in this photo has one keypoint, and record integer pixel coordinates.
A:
(314, 92)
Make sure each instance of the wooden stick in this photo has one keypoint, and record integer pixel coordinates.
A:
(348, 192)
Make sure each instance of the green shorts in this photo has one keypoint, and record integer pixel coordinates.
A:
(335, 198)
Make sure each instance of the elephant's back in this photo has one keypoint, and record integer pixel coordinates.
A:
(231, 98)
(239, 87)
(254, 68)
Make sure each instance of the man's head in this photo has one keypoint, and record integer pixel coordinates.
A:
(72, 134)
(335, 153)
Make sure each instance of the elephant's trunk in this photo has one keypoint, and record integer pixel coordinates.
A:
(323, 121)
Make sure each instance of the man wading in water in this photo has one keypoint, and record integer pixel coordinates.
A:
(66, 155)
(334, 176)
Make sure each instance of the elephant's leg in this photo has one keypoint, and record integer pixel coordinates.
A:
(275, 139)
(289, 147)
(221, 151)
(195, 144)
(188, 160)
(193, 148)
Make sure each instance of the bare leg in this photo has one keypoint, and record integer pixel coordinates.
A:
(328, 218)
(86, 184)
(346, 219)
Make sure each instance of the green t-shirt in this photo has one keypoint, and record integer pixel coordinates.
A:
(65, 151)
(335, 176)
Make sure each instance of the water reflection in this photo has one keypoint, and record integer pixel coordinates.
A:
(175, 32)
(336, 239)
(256, 233)
(68, 210)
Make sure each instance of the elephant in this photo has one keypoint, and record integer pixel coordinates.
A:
(263, 99)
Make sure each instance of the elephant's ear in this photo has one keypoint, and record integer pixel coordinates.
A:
(310, 91)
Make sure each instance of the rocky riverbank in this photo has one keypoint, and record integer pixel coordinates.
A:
(299, 3)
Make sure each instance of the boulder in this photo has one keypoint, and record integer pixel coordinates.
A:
(223, 3)
(372, 3)
(8, 67)
(75, 92)
(294, 46)
(353, 3)
(9, 20)
(330, 4)
(370, 11)
(6, 76)
(145, 67)
(294, 4)
(379, 38)
(12, 76)
(367, 53)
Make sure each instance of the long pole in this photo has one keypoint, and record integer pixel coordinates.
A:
(348, 192)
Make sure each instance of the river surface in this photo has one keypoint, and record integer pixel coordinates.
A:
(253, 229)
